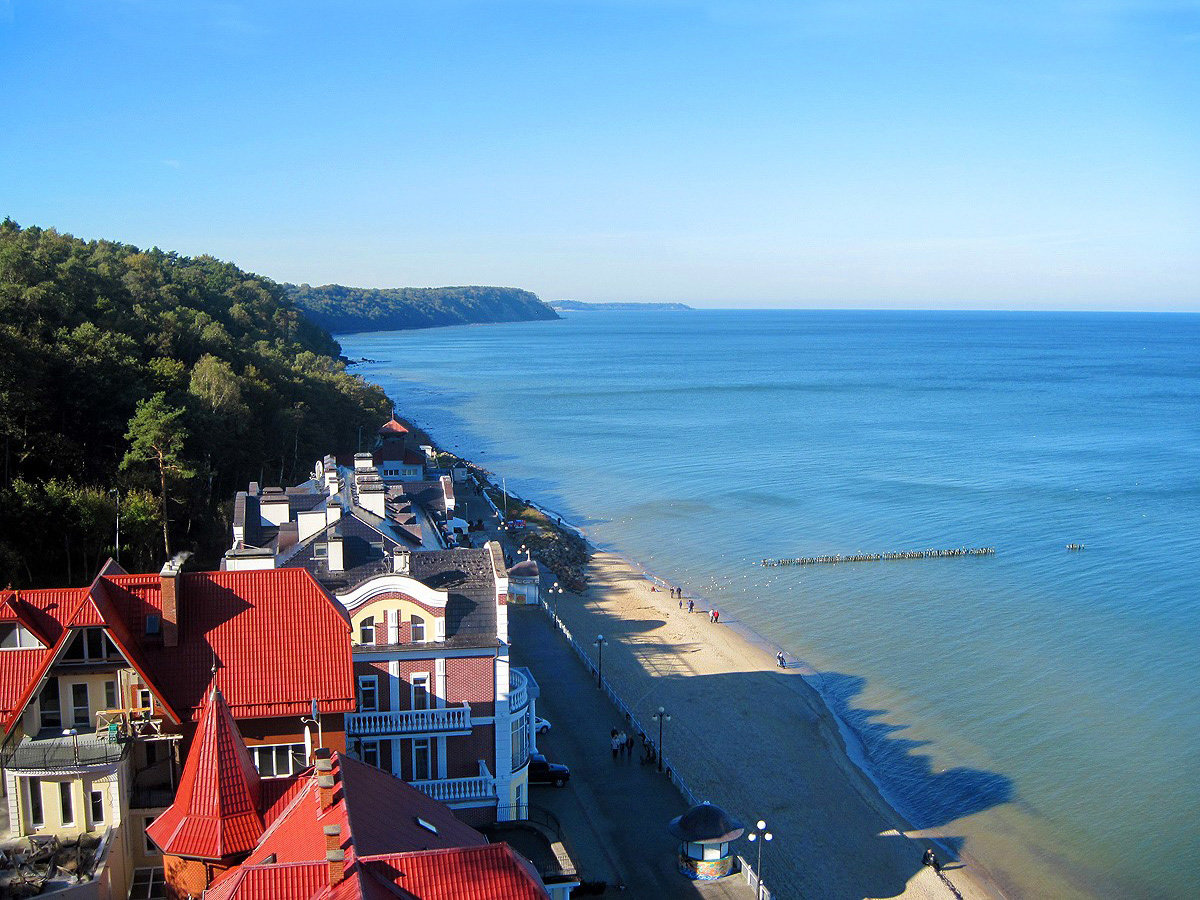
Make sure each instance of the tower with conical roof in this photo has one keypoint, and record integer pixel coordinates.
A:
(216, 819)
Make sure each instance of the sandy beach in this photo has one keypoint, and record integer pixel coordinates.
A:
(756, 740)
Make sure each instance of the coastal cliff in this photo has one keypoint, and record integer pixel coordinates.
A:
(341, 309)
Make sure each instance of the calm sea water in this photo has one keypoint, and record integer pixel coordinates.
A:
(1036, 697)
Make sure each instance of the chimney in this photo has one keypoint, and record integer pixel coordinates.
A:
(401, 561)
(333, 837)
(336, 860)
(325, 779)
(334, 556)
(170, 583)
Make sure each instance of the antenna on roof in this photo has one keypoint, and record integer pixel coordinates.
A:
(214, 662)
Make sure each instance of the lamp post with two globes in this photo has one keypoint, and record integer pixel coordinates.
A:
(760, 837)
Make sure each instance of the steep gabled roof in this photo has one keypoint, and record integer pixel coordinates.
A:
(216, 813)
(397, 843)
(277, 639)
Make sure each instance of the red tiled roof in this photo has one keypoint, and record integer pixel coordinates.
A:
(490, 872)
(380, 834)
(278, 641)
(215, 815)
(392, 427)
(276, 637)
(296, 881)
(377, 812)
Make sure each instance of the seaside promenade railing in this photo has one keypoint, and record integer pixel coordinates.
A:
(669, 770)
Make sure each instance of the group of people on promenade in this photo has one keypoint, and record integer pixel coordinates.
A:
(622, 747)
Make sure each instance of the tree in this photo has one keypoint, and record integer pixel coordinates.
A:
(156, 435)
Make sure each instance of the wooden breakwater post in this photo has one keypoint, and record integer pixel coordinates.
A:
(877, 557)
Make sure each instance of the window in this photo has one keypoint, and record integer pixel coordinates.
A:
(80, 713)
(417, 635)
(366, 631)
(17, 637)
(422, 759)
(145, 701)
(420, 691)
(48, 700)
(89, 645)
(37, 817)
(151, 752)
(151, 847)
(153, 625)
(66, 799)
(96, 800)
(520, 741)
(148, 884)
(110, 695)
(368, 693)
(320, 551)
(370, 753)
(278, 760)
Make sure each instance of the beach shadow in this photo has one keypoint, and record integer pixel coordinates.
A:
(930, 799)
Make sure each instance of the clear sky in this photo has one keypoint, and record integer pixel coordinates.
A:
(835, 153)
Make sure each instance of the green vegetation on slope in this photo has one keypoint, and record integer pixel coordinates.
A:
(171, 381)
(342, 310)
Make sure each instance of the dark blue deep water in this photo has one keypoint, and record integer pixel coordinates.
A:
(699, 443)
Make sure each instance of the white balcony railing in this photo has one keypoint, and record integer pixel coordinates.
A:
(410, 721)
(518, 691)
(460, 790)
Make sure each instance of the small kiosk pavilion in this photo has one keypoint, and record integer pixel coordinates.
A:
(705, 834)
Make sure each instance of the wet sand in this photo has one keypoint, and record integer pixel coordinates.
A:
(756, 740)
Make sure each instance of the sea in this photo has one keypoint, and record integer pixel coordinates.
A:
(1037, 703)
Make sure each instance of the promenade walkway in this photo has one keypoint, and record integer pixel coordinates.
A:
(614, 815)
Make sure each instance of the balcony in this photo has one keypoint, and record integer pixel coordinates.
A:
(518, 691)
(410, 722)
(50, 750)
(481, 788)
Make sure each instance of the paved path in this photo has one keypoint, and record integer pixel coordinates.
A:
(614, 813)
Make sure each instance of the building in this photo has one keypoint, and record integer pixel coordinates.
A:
(101, 688)
(439, 705)
(341, 829)
(394, 458)
(343, 524)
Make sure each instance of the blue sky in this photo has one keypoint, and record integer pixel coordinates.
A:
(727, 153)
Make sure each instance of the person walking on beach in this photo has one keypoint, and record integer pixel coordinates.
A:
(681, 603)
(622, 740)
(930, 859)
(716, 616)
(616, 744)
(779, 659)
(691, 606)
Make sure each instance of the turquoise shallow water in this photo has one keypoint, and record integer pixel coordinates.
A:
(1061, 686)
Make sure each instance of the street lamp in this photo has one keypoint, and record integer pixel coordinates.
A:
(555, 591)
(525, 549)
(754, 836)
(662, 715)
(73, 734)
(600, 641)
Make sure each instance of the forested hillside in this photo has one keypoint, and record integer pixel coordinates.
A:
(345, 309)
(157, 378)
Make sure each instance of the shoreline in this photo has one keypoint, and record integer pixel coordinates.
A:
(832, 740)
(842, 745)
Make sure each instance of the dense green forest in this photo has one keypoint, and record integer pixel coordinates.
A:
(346, 309)
(157, 379)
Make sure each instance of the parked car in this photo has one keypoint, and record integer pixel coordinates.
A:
(540, 725)
(543, 772)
